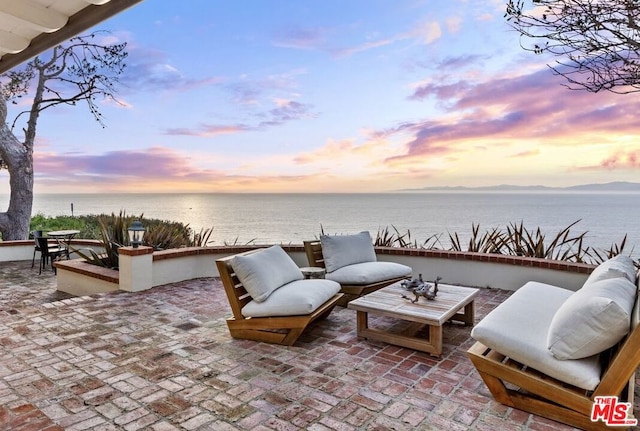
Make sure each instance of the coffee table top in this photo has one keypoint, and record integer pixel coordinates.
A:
(388, 301)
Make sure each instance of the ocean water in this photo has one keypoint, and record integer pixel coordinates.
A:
(292, 218)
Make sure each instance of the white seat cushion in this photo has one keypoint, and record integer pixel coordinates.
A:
(519, 326)
(264, 271)
(593, 319)
(296, 298)
(368, 272)
(343, 250)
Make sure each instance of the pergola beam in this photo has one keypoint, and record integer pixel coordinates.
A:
(81, 21)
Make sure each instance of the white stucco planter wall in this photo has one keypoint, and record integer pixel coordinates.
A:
(169, 266)
(78, 284)
(486, 274)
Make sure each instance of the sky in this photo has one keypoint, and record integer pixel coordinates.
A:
(332, 96)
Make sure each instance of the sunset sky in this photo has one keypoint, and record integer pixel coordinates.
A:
(333, 96)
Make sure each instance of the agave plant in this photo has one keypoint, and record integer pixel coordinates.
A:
(114, 234)
(516, 241)
(596, 256)
(236, 241)
(386, 238)
(563, 246)
(491, 241)
(202, 238)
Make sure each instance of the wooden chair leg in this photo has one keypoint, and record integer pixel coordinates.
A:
(497, 389)
(292, 336)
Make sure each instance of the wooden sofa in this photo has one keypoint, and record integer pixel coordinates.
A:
(280, 329)
(354, 288)
(517, 378)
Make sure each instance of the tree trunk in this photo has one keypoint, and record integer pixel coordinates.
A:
(14, 223)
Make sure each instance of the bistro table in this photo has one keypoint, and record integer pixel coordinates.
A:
(63, 237)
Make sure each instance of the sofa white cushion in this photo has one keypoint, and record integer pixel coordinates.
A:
(368, 272)
(343, 250)
(296, 298)
(264, 271)
(617, 266)
(519, 326)
(593, 319)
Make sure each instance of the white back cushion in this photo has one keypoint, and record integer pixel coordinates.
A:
(593, 319)
(264, 271)
(343, 250)
(617, 266)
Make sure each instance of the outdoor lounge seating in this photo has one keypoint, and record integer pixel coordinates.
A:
(351, 261)
(269, 298)
(552, 352)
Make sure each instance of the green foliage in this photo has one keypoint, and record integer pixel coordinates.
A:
(87, 225)
(161, 234)
(599, 256)
(517, 240)
(491, 241)
(202, 238)
(113, 234)
(522, 242)
(112, 231)
(236, 241)
(165, 235)
(386, 238)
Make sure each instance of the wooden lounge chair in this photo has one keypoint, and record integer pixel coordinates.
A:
(283, 330)
(516, 383)
(354, 287)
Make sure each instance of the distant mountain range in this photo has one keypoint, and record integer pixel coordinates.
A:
(617, 186)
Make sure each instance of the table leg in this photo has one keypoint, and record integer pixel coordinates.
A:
(435, 338)
(469, 313)
(362, 322)
(466, 315)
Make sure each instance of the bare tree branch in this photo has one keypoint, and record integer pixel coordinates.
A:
(596, 42)
(81, 70)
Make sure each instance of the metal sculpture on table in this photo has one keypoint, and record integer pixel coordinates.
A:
(421, 288)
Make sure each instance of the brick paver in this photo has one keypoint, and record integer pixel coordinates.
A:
(163, 360)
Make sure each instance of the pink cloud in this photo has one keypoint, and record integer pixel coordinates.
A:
(208, 130)
(156, 169)
(284, 112)
(532, 106)
(618, 161)
(331, 150)
(149, 163)
(529, 153)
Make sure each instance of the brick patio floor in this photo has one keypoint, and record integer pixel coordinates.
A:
(163, 360)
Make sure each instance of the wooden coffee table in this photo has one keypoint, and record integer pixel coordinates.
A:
(452, 303)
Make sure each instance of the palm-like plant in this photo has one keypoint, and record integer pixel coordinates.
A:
(114, 234)
(491, 241)
(519, 241)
